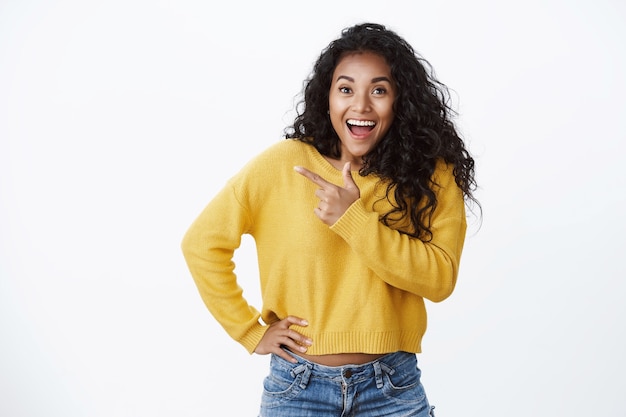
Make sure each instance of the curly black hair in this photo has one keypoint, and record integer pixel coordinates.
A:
(421, 134)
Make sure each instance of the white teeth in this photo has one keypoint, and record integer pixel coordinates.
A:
(361, 122)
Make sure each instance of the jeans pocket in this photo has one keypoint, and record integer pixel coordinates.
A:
(284, 382)
(404, 387)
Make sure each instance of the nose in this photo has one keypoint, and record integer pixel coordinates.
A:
(361, 102)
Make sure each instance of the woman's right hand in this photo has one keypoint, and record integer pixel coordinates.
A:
(279, 334)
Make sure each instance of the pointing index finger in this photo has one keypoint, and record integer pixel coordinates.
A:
(311, 176)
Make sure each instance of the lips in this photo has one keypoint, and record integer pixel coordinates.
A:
(360, 127)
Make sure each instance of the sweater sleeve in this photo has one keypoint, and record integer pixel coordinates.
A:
(426, 268)
(208, 247)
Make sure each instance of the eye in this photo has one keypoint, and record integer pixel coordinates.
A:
(379, 91)
(345, 90)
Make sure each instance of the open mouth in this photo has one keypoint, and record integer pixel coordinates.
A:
(360, 127)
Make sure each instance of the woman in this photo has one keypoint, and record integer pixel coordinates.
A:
(349, 245)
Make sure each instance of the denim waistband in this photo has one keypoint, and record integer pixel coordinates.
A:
(375, 369)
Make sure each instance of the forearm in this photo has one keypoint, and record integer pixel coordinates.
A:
(428, 269)
(208, 248)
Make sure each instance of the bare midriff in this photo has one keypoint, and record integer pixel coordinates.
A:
(341, 359)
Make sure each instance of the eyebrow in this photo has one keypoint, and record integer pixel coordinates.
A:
(374, 80)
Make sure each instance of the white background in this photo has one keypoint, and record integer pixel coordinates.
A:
(119, 120)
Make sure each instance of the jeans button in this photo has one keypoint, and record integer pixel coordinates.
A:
(347, 373)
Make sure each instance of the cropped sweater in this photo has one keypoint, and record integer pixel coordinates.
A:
(359, 283)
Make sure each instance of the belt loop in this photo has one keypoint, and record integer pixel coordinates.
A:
(379, 375)
(306, 376)
(387, 369)
(305, 370)
(379, 368)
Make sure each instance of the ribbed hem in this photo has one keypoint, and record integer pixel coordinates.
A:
(352, 221)
(364, 342)
(252, 338)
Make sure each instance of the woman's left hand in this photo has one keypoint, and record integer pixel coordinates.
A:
(334, 200)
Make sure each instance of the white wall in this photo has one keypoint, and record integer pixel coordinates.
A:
(119, 120)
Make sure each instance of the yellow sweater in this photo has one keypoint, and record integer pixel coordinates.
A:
(360, 284)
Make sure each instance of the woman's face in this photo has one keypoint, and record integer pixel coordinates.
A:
(361, 99)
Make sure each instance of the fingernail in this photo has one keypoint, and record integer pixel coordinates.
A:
(304, 323)
(308, 342)
(297, 168)
(302, 349)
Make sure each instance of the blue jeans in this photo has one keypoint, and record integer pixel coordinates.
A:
(389, 386)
